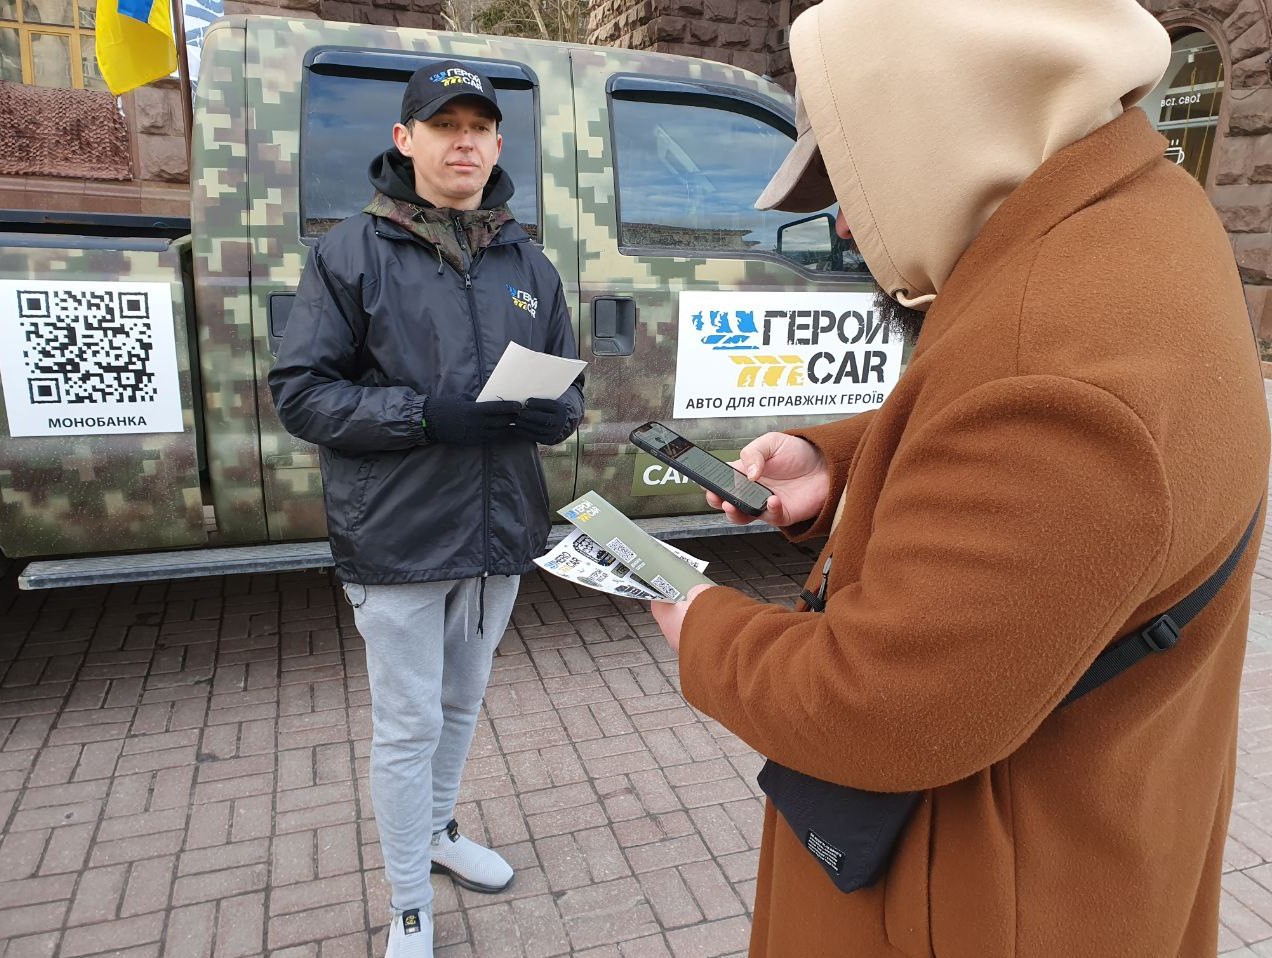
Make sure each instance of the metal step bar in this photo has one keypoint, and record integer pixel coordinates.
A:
(287, 557)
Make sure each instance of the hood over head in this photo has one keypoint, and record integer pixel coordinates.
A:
(928, 114)
(392, 174)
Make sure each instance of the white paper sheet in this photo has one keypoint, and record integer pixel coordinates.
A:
(522, 373)
(581, 559)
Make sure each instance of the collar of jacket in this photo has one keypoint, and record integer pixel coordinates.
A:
(1069, 181)
(436, 227)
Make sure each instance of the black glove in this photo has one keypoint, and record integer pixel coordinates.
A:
(546, 421)
(465, 422)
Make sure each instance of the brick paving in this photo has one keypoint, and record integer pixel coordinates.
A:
(183, 773)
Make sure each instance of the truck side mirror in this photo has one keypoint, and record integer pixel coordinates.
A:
(811, 242)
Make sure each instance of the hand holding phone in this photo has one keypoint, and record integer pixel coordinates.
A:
(708, 471)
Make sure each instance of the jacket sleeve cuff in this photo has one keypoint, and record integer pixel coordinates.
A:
(837, 442)
(415, 415)
(704, 647)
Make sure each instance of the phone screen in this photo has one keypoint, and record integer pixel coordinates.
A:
(699, 462)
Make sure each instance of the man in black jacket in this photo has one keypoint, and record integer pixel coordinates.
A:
(436, 503)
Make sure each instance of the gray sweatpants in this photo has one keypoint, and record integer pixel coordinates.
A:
(428, 669)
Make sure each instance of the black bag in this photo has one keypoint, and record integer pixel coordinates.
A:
(852, 832)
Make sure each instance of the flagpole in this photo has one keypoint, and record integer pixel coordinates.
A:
(183, 73)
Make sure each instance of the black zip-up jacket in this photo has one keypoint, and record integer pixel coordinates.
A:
(383, 319)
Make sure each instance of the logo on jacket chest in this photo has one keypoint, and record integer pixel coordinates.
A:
(523, 300)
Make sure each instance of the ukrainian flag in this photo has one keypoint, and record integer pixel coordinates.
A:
(134, 42)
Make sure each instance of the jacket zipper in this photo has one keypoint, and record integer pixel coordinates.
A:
(481, 366)
(469, 265)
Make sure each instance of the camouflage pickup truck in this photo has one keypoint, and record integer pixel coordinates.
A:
(137, 436)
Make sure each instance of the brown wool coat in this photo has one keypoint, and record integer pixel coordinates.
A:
(1080, 439)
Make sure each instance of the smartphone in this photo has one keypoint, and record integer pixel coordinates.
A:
(699, 465)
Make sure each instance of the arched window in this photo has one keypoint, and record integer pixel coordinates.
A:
(1185, 105)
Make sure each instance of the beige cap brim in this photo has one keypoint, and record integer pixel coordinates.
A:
(801, 184)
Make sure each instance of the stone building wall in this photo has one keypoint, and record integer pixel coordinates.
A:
(151, 176)
(751, 34)
(1241, 177)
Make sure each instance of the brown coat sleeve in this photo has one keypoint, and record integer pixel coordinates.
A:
(1012, 536)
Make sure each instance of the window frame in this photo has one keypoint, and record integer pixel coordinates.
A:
(1218, 88)
(397, 66)
(75, 32)
(1179, 23)
(646, 88)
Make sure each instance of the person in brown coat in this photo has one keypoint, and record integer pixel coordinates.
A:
(1079, 440)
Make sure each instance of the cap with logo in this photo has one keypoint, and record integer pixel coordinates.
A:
(801, 184)
(432, 87)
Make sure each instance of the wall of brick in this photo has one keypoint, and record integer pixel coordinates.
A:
(746, 33)
(1241, 186)
(740, 32)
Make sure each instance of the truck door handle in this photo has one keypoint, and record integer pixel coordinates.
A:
(280, 306)
(613, 326)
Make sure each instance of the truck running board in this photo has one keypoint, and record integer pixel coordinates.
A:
(287, 557)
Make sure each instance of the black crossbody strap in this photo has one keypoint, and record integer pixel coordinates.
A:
(816, 601)
(1162, 633)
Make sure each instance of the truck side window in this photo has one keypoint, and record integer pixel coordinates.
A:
(348, 121)
(688, 175)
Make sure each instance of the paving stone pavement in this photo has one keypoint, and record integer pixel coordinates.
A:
(183, 773)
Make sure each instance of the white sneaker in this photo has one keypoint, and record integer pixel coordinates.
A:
(469, 864)
(410, 935)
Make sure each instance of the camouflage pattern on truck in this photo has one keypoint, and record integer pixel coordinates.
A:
(222, 263)
(579, 233)
(92, 493)
(82, 493)
(624, 392)
(275, 73)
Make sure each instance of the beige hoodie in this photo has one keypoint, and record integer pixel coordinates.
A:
(904, 98)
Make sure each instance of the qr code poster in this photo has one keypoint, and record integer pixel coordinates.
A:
(88, 358)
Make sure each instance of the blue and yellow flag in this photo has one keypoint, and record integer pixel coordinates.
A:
(134, 42)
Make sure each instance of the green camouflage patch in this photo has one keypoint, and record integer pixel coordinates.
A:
(437, 227)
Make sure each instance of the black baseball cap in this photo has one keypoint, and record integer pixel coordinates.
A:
(431, 88)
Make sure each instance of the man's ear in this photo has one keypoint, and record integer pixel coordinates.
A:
(402, 139)
(498, 146)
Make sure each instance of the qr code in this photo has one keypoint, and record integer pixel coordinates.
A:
(665, 587)
(620, 549)
(89, 346)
